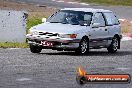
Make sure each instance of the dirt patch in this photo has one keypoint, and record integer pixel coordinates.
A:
(30, 8)
(126, 27)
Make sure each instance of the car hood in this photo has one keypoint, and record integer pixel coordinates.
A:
(58, 28)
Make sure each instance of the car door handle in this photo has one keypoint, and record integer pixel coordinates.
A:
(105, 29)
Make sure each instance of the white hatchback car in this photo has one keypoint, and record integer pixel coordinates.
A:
(78, 29)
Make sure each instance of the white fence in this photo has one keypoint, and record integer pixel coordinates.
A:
(12, 26)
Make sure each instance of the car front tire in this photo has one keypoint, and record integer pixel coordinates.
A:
(83, 46)
(35, 49)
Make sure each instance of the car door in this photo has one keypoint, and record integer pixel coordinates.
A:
(98, 32)
(112, 24)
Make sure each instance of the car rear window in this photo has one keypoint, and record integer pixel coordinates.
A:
(111, 19)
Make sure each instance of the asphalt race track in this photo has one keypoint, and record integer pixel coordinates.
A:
(19, 68)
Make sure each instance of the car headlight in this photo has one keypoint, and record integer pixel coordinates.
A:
(33, 32)
(68, 35)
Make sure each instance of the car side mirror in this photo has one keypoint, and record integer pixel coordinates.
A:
(96, 24)
(43, 20)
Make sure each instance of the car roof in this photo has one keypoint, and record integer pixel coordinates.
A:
(87, 9)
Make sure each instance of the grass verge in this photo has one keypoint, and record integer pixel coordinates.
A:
(13, 45)
(110, 2)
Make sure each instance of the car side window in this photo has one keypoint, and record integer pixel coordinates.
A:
(87, 18)
(111, 19)
(98, 18)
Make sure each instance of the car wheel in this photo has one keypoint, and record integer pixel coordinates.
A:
(83, 46)
(35, 49)
(114, 45)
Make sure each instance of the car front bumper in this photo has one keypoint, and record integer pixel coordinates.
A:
(59, 43)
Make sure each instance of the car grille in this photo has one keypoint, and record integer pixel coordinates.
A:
(54, 42)
(48, 34)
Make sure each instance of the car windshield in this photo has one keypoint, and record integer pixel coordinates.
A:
(71, 17)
